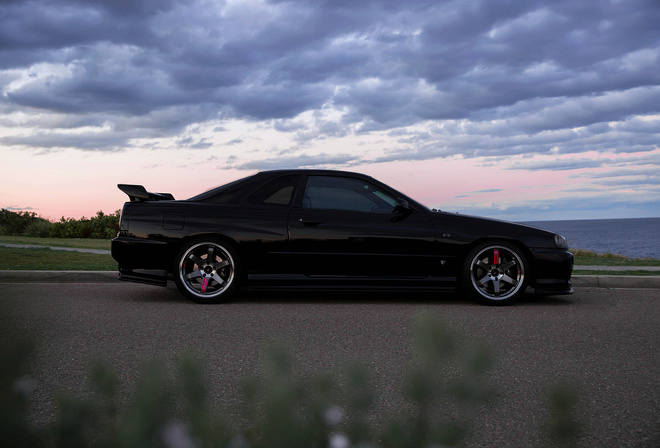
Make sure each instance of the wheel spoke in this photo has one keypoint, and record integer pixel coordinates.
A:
(483, 280)
(193, 275)
(509, 265)
(482, 265)
(198, 261)
(509, 280)
(496, 286)
(218, 279)
(222, 264)
(210, 256)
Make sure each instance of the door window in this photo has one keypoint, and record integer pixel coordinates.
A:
(344, 193)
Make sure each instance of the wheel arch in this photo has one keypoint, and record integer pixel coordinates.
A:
(481, 294)
(224, 275)
(504, 239)
(174, 250)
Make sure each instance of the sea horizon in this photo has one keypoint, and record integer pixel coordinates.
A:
(632, 237)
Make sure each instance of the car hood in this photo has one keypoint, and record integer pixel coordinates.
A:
(467, 228)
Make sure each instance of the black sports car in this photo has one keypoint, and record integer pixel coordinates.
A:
(319, 229)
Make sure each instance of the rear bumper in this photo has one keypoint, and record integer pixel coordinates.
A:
(140, 253)
(141, 260)
(150, 277)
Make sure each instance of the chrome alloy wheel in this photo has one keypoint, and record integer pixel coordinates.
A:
(206, 270)
(497, 273)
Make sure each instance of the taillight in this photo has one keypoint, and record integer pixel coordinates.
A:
(123, 222)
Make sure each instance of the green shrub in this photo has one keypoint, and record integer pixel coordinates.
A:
(100, 226)
(17, 223)
(29, 224)
(592, 254)
(38, 229)
(443, 384)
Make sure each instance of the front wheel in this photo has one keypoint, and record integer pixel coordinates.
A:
(495, 273)
(205, 271)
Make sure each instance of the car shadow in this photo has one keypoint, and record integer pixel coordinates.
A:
(407, 297)
(347, 297)
(170, 294)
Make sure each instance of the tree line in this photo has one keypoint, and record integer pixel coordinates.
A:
(26, 223)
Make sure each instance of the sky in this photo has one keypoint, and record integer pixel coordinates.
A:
(522, 110)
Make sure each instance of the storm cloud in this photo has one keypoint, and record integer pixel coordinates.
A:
(467, 78)
(153, 68)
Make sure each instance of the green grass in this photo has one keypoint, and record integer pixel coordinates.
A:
(53, 260)
(45, 259)
(591, 258)
(80, 243)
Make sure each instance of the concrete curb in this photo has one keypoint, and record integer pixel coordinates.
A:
(578, 267)
(588, 281)
(616, 281)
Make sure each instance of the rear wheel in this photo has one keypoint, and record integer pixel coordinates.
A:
(495, 273)
(206, 271)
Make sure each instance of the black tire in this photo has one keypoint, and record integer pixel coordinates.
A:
(495, 273)
(206, 270)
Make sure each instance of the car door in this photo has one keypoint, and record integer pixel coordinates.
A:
(349, 226)
(261, 228)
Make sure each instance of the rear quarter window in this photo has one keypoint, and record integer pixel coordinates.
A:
(276, 192)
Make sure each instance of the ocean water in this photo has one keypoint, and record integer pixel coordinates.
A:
(637, 238)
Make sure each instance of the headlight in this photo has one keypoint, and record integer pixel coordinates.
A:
(560, 242)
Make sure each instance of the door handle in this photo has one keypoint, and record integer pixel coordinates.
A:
(309, 223)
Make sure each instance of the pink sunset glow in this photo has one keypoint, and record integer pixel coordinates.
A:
(80, 186)
(465, 107)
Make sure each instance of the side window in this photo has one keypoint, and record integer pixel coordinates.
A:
(276, 192)
(345, 193)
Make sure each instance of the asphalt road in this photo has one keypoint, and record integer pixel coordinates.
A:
(606, 341)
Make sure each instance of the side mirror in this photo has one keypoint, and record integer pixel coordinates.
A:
(402, 206)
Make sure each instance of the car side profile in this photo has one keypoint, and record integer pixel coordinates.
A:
(324, 229)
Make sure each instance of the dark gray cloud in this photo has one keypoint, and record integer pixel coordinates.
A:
(487, 78)
(301, 160)
(16, 208)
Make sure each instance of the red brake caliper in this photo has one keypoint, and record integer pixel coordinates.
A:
(205, 283)
(496, 256)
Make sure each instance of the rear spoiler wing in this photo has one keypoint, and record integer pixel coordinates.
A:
(137, 193)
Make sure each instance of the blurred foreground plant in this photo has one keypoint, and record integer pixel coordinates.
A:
(444, 384)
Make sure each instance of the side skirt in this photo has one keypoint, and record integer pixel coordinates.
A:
(303, 282)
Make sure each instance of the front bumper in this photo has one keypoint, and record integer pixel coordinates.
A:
(553, 286)
(552, 269)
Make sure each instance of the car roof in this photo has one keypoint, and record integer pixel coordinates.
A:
(234, 190)
(312, 171)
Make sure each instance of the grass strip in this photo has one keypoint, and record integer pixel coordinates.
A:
(78, 243)
(591, 258)
(14, 258)
(53, 260)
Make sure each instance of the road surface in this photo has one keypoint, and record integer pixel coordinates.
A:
(607, 341)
